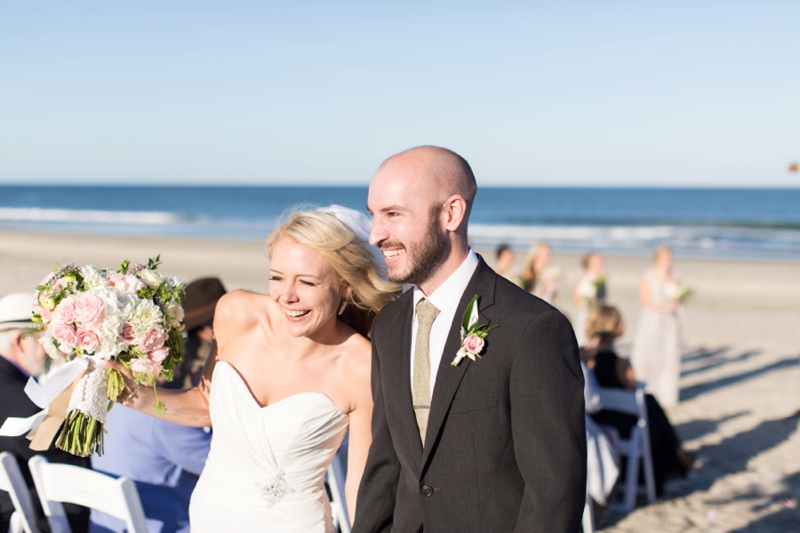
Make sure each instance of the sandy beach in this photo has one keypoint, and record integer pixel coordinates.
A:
(740, 395)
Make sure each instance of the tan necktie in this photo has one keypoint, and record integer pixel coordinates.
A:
(421, 390)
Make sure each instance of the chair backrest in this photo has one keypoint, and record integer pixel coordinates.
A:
(11, 481)
(638, 446)
(336, 475)
(58, 483)
(623, 401)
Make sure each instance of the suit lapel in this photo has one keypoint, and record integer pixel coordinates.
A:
(449, 377)
(399, 371)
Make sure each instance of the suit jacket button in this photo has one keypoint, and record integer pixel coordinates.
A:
(426, 490)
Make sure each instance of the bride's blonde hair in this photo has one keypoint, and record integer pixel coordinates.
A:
(350, 258)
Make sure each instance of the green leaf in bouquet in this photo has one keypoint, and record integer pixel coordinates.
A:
(116, 384)
(153, 262)
(124, 266)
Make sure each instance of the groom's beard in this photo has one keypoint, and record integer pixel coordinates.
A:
(425, 256)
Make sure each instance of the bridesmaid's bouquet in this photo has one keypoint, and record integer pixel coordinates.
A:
(132, 315)
(588, 289)
(678, 292)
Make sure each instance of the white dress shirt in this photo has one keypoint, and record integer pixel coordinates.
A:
(446, 298)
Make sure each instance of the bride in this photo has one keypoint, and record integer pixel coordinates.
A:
(287, 378)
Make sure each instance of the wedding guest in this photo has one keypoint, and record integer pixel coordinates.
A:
(669, 458)
(538, 277)
(505, 261)
(164, 459)
(199, 304)
(22, 357)
(656, 352)
(590, 290)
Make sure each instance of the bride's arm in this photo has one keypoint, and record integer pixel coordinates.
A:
(232, 317)
(186, 407)
(360, 433)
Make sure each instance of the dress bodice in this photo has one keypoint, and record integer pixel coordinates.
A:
(266, 467)
(659, 290)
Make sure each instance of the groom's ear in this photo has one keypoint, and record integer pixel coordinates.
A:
(454, 213)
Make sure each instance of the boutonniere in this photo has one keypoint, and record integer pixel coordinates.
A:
(472, 334)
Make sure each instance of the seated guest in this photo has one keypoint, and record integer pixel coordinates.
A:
(505, 261)
(162, 458)
(21, 356)
(669, 458)
(199, 303)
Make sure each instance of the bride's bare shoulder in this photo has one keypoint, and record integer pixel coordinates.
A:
(239, 310)
(357, 357)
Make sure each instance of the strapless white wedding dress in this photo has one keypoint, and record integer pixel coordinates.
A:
(266, 467)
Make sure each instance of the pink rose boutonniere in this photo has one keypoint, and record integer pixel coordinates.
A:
(472, 334)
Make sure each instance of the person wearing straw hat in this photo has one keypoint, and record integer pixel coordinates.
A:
(22, 357)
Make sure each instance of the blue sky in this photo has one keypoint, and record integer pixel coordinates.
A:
(579, 93)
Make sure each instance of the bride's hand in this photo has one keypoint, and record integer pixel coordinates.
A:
(128, 395)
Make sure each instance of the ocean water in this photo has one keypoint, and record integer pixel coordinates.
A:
(722, 223)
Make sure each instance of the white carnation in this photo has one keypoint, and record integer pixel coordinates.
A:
(152, 278)
(93, 277)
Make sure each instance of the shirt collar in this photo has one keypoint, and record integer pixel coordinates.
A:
(447, 295)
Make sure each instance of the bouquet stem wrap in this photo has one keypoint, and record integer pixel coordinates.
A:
(82, 433)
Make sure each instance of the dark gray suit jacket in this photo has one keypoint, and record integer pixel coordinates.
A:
(506, 444)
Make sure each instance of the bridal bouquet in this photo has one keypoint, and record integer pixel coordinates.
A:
(89, 315)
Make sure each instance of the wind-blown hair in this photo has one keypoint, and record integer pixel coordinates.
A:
(350, 258)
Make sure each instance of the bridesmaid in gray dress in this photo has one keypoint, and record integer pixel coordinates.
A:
(656, 355)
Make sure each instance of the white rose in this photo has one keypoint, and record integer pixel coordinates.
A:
(174, 311)
(93, 277)
(152, 278)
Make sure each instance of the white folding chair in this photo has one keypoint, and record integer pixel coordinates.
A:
(11, 481)
(636, 447)
(58, 483)
(336, 475)
(587, 523)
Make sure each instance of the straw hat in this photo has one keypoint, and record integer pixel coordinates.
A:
(16, 311)
(200, 301)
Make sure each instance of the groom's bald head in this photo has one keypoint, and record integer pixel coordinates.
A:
(437, 172)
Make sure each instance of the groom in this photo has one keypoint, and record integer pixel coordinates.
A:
(496, 444)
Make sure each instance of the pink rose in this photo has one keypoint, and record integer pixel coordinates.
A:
(89, 310)
(473, 343)
(65, 336)
(127, 333)
(65, 312)
(88, 340)
(147, 366)
(160, 354)
(152, 340)
(124, 282)
(44, 313)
